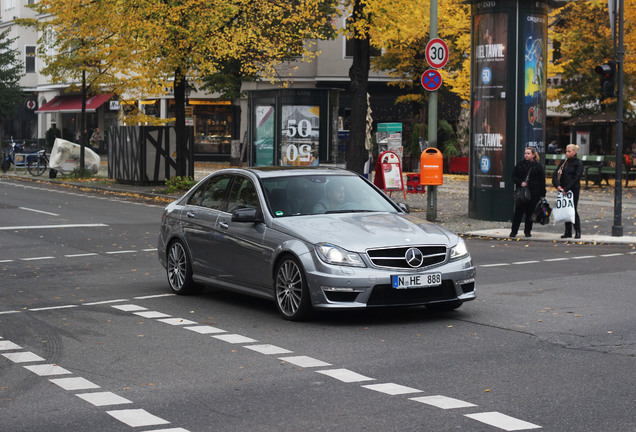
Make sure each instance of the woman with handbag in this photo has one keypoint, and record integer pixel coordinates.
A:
(567, 178)
(527, 174)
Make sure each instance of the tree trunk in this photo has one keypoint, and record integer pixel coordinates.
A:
(180, 126)
(82, 125)
(357, 155)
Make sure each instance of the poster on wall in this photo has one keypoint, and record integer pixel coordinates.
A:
(300, 127)
(583, 141)
(535, 87)
(264, 135)
(489, 100)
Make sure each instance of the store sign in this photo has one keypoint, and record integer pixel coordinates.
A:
(300, 131)
(489, 100)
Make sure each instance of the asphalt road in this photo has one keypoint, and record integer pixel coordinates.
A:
(91, 339)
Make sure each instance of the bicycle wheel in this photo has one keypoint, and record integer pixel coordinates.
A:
(37, 167)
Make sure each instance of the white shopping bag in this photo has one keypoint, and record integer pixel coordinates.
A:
(563, 210)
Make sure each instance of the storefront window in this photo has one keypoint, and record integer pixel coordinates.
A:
(212, 122)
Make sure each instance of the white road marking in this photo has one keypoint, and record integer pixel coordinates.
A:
(51, 226)
(38, 258)
(103, 398)
(525, 262)
(129, 307)
(612, 255)
(23, 357)
(8, 345)
(120, 252)
(556, 259)
(74, 383)
(345, 375)
(38, 211)
(151, 314)
(104, 302)
(494, 265)
(81, 255)
(154, 296)
(137, 417)
(392, 389)
(6, 261)
(52, 308)
(176, 321)
(234, 338)
(47, 370)
(584, 257)
(304, 361)
(9, 312)
(502, 421)
(205, 329)
(443, 402)
(268, 349)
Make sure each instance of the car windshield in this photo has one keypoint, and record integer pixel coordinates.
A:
(319, 194)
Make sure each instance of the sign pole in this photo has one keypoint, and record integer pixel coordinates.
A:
(431, 196)
(617, 228)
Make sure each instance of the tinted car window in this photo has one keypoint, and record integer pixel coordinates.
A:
(215, 196)
(242, 195)
(195, 198)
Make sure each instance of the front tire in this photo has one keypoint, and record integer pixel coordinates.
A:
(37, 167)
(292, 294)
(179, 269)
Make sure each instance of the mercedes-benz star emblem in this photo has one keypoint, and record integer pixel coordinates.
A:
(414, 257)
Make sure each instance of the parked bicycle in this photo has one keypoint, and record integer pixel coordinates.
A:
(38, 166)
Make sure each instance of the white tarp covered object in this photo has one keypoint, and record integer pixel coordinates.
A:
(65, 157)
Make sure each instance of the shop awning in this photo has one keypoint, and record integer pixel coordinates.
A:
(73, 104)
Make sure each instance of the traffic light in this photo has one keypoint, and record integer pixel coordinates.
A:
(607, 73)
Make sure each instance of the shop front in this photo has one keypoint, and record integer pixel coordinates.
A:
(215, 126)
(297, 127)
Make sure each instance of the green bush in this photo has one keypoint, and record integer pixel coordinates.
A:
(179, 184)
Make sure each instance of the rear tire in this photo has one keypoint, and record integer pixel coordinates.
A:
(37, 167)
(179, 269)
(290, 288)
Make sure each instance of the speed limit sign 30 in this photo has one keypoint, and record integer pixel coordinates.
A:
(436, 53)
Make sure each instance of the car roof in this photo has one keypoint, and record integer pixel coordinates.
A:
(292, 171)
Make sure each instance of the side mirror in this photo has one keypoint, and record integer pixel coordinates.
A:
(247, 215)
(405, 208)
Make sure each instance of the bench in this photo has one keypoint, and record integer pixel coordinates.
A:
(607, 169)
(592, 165)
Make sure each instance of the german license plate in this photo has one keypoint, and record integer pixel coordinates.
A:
(416, 281)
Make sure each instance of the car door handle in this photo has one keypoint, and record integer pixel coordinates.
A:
(190, 215)
(224, 225)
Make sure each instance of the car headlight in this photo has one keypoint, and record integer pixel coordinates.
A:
(459, 250)
(332, 254)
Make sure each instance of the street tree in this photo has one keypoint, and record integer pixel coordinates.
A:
(11, 70)
(582, 29)
(218, 43)
(78, 45)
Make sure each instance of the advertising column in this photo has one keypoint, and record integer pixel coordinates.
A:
(508, 99)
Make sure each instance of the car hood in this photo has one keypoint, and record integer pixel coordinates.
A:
(361, 231)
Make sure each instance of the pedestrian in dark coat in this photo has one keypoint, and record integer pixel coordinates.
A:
(567, 178)
(531, 168)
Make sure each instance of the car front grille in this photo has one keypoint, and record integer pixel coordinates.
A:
(386, 295)
(396, 257)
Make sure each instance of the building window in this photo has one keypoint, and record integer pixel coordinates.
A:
(30, 2)
(29, 59)
(9, 4)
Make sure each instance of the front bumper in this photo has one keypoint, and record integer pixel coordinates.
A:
(338, 287)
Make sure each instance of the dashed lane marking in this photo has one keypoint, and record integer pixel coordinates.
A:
(502, 421)
(79, 255)
(38, 211)
(32, 227)
(140, 418)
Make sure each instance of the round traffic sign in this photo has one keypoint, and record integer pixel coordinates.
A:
(431, 80)
(436, 53)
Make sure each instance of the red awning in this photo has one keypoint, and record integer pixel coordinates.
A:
(73, 104)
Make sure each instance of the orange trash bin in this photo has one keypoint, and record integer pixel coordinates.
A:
(431, 167)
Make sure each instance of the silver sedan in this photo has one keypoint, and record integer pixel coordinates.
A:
(310, 238)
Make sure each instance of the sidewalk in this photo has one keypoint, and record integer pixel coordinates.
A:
(596, 206)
